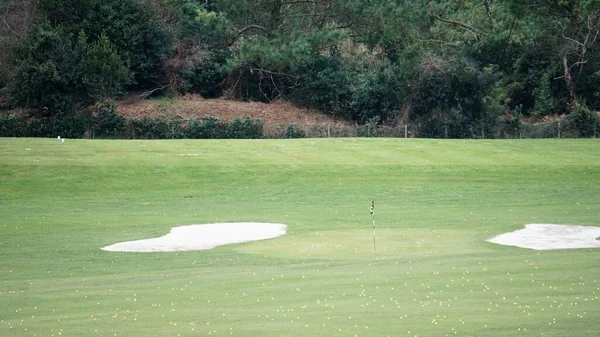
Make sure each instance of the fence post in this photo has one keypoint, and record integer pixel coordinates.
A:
(559, 129)
(328, 131)
(405, 131)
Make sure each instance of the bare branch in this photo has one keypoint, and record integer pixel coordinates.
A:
(578, 63)
(345, 26)
(597, 27)
(9, 27)
(260, 70)
(570, 39)
(476, 32)
(149, 93)
(243, 30)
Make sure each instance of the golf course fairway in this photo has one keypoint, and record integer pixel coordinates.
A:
(433, 273)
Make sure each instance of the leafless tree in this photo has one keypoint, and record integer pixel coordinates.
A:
(582, 40)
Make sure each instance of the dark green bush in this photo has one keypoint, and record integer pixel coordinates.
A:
(377, 93)
(40, 128)
(325, 85)
(71, 126)
(449, 99)
(451, 124)
(57, 73)
(204, 78)
(65, 126)
(198, 63)
(108, 123)
(150, 128)
(545, 103)
(580, 122)
(176, 129)
(130, 25)
(43, 73)
(207, 128)
(13, 126)
(247, 128)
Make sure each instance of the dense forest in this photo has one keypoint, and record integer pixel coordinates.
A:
(460, 68)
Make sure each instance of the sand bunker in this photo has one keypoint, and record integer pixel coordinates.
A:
(546, 237)
(200, 237)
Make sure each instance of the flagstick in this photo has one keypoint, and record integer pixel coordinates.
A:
(373, 207)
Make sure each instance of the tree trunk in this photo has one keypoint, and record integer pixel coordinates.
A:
(569, 80)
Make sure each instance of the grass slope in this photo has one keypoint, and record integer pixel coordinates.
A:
(432, 275)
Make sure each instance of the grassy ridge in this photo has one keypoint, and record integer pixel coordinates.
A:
(433, 274)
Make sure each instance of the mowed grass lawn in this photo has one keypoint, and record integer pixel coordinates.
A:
(434, 274)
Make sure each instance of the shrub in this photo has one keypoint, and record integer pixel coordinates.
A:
(13, 126)
(150, 128)
(43, 73)
(56, 73)
(449, 99)
(325, 85)
(376, 93)
(207, 128)
(176, 130)
(130, 25)
(247, 128)
(66, 126)
(545, 103)
(108, 123)
(40, 128)
(203, 77)
(580, 122)
(70, 126)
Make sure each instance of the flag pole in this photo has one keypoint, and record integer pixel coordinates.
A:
(373, 214)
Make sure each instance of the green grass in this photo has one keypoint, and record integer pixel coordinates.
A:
(433, 274)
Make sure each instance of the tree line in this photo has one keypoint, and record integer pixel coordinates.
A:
(456, 68)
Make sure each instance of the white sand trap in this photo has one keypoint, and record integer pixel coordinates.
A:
(200, 237)
(546, 237)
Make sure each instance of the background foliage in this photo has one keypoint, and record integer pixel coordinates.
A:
(452, 68)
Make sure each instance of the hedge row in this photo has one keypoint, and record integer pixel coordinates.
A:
(107, 123)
